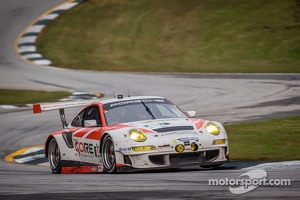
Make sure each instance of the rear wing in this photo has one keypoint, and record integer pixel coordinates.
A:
(39, 108)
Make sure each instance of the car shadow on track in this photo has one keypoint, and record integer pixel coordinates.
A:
(232, 165)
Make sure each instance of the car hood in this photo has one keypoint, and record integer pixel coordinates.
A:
(166, 132)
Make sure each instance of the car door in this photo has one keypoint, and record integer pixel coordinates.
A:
(86, 136)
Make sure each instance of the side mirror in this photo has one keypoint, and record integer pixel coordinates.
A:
(90, 123)
(191, 114)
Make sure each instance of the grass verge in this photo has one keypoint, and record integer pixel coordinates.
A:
(176, 36)
(30, 96)
(275, 140)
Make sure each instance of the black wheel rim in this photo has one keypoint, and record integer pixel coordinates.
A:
(109, 154)
(53, 154)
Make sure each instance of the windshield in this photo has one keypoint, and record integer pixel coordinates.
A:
(139, 110)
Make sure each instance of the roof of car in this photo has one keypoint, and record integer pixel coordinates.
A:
(112, 100)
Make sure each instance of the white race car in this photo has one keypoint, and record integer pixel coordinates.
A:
(132, 133)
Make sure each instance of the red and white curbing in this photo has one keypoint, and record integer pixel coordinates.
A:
(26, 43)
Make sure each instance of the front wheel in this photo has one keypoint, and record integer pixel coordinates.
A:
(54, 156)
(108, 153)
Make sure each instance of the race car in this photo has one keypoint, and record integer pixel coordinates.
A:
(126, 134)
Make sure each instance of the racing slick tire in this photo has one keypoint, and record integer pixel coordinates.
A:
(109, 156)
(54, 156)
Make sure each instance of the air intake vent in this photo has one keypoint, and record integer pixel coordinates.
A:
(212, 155)
(68, 138)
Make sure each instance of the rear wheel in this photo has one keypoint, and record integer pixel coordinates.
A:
(108, 153)
(54, 156)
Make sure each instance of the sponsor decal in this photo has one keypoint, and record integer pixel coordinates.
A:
(89, 156)
(180, 133)
(188, 139)
(153, 126)
(186, 143)
(135, 101)
(87, 148)
(97, 168)
(96, 151)
(125, 149)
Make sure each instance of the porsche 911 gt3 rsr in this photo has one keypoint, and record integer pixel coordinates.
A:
(132, 133)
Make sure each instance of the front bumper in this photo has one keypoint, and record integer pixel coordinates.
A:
(210, 156)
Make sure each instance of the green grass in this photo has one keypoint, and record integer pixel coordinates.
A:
(276, 140)
(176, 36)
(30, 96)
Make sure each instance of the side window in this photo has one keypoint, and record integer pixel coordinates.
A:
(92, 113)
(78, 120)
(87, 114)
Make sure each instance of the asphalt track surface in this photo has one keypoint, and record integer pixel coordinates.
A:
(228, 98)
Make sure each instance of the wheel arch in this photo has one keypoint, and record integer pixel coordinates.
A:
(119, 156)
(47, 144)
(101, 141)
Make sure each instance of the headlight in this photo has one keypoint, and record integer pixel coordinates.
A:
(212, 128)
(137, 135)
(179, 148)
